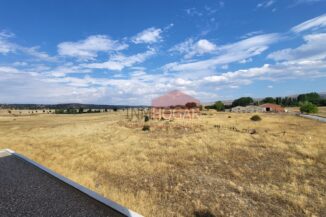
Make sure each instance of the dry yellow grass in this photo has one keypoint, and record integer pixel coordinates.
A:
(212, 166)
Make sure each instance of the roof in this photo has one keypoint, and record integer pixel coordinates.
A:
(271, 105)
(29, 189)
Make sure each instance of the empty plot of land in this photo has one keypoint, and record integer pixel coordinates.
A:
(221, 164)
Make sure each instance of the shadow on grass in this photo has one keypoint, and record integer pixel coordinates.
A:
(203, 213)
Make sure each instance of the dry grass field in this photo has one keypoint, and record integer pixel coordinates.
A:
(321, 110)
(214, 166)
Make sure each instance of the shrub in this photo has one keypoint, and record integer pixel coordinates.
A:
(219, 106)
(308, 107)
(255, 118)
(146, 128)
(146, 118)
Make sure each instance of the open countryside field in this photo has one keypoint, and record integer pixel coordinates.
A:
(214, 166)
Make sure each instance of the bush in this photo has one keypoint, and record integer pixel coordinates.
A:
(146, 128)
(146, 117)
(308, 107)
(255, 118)
(219, 106)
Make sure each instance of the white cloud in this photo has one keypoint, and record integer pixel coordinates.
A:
(8, 70)
(312, 24)
(34, 52)
(88, 48)
(69, 68)
(190, 48)
(250, 34)
(148, 36)
(229, 53)
(119, 61)
(5, 45)
(313, 49)
(193, 12)
(8, 47)
(266, 4)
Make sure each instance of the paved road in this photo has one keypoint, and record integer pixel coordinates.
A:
(27, 191)
(314, 117)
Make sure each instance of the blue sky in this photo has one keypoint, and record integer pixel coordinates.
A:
(127, 52)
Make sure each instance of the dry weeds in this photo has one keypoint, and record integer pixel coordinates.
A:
(213, 166)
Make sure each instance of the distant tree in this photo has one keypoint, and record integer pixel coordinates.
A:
(219, 106)
(190, 105)
(308, 107)
(105, 110)
(268, 100)
(80, 110)
(278, 100)
(322, 102)
(310, 97)
(243, 101)
(115, 109)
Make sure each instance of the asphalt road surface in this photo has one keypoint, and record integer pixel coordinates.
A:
(28, 191)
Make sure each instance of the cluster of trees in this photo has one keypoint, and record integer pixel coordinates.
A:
(308, 102)
(77, 111)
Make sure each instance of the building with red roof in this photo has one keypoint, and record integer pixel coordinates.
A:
(270, 107)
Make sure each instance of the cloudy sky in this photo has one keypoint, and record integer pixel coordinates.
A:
(127, 52)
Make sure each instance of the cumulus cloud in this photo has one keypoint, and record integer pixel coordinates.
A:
(190, 48)
(312, 24)
(119, 61)
(88, 48)
(148, 36)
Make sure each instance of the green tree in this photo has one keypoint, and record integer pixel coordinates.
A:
(278, 100)
(219, 106)
(310, 97)
(308, 107)
(268, 100)
(243, 101)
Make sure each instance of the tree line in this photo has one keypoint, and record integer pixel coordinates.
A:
(307, 99)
